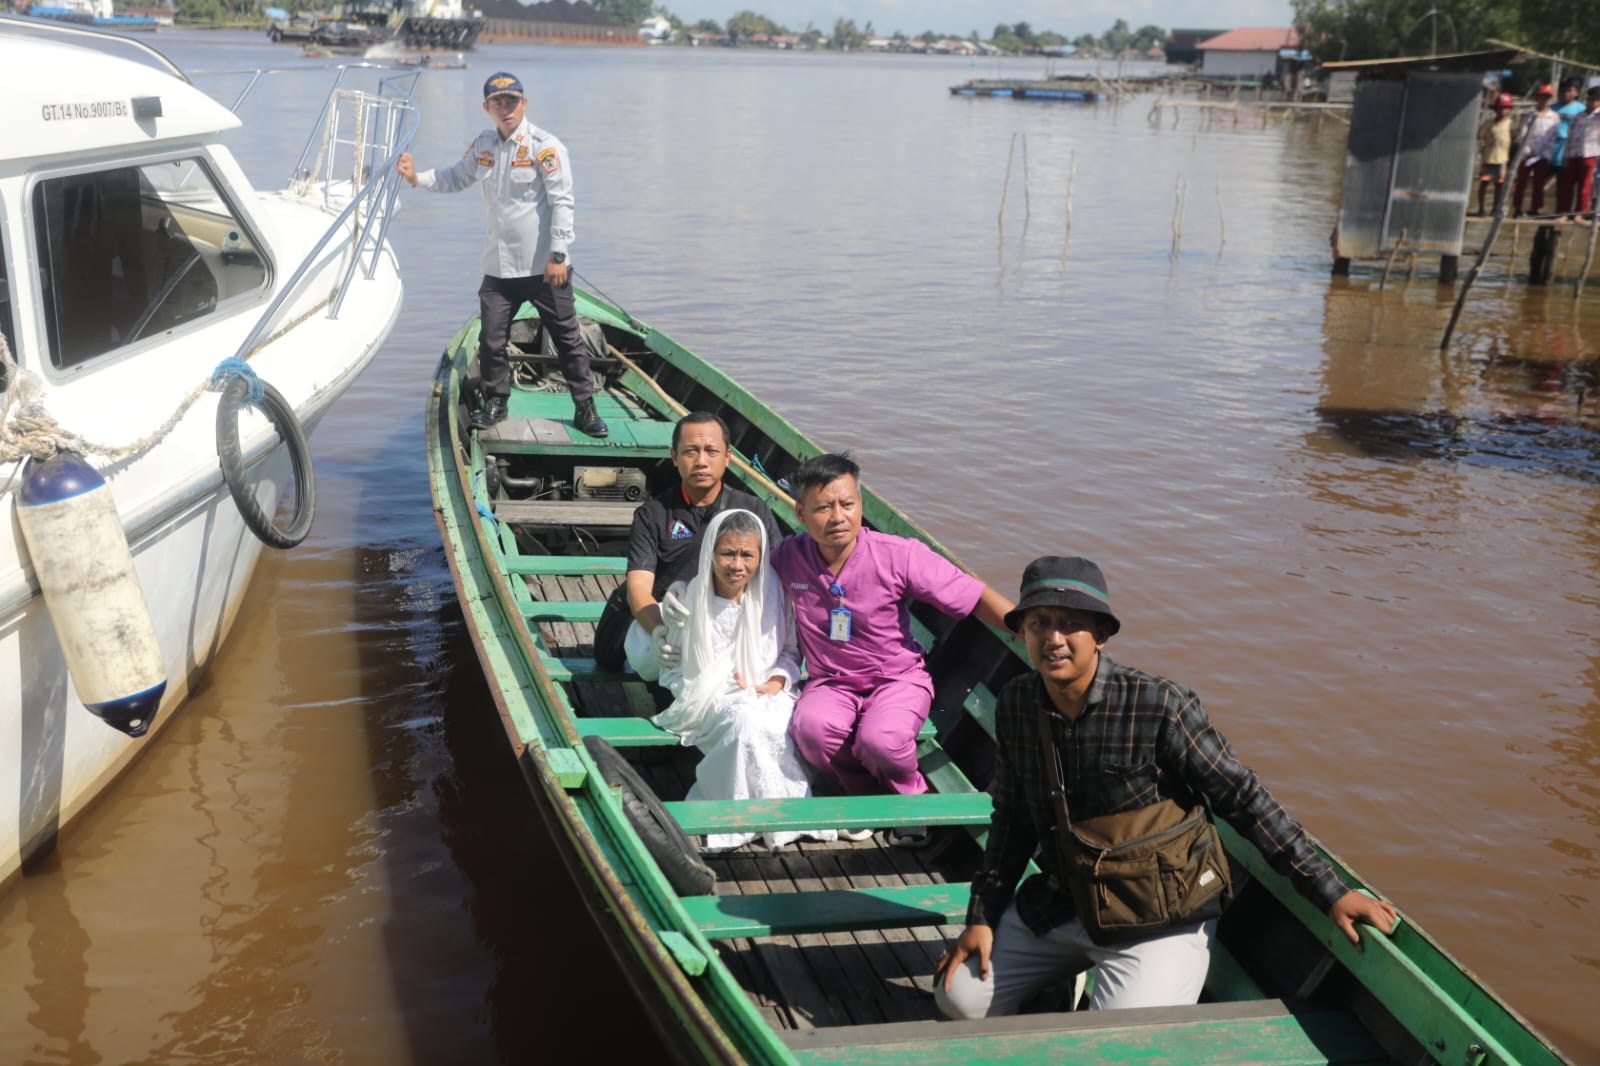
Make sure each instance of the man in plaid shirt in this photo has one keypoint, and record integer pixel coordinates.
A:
(1126, 740)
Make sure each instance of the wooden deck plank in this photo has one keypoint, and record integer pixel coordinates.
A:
(556, 514)
(917, 957)
(835, 961)
(788, 962)
(912, 869)
(897, 993)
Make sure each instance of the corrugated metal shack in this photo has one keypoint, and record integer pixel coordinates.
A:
(1409, 166)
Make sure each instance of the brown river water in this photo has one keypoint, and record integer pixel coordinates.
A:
(1377, 564)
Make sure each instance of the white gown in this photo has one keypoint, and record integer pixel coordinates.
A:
(744, 737)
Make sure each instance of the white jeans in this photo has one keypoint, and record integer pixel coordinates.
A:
(636, 646)
(1162, 971)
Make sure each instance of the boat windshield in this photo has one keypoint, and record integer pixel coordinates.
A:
(132, 251)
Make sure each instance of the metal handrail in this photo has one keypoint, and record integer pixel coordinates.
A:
(377, 195)
(383, 183)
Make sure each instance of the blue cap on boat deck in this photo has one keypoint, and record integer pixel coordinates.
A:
(1073, 582)
(503, 84)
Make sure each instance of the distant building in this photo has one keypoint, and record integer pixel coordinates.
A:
(1248, 53)
(1182, 45)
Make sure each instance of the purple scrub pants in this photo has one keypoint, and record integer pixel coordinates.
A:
(865, 735)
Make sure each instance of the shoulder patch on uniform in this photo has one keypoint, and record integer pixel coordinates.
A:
(679, 531)
(549, 162)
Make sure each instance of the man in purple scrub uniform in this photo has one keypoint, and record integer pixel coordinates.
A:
(868, 692)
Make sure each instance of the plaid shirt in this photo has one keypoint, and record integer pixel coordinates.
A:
(1140, 739)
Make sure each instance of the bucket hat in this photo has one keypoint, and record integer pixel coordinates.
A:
(1070, 581)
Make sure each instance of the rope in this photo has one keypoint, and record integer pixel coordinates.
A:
(238, 368)
(28, 430)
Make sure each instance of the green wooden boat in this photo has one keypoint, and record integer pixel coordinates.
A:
(824, 953)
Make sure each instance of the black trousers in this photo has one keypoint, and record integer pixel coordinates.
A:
(499, 299)
(612, 630)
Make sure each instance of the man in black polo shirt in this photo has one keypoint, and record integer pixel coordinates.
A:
(664, 545)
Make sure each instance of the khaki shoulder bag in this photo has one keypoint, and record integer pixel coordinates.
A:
(1138, 872)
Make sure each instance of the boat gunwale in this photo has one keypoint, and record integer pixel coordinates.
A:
(662, 970)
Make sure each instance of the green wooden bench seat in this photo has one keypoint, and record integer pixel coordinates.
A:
(571, 667)
(893, 907)
(1206, 1034)
(639, 732)
(566, 565)
(837, 911)
(563, 610)
(831, 812)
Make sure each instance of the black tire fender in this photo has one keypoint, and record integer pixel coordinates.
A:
(673, 851)
(236, 473)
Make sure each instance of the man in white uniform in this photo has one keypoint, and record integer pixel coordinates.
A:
(527, 187)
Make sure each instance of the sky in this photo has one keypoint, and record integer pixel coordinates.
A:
(963, 16)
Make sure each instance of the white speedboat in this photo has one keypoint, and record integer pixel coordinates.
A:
(137, 257)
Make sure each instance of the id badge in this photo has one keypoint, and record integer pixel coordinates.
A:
(839, 624)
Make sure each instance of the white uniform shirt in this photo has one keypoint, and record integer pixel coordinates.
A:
(1583, 137)
(527, 188)
(1539, 134)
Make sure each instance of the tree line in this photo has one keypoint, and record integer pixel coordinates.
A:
(1377, 29)
(848, 34)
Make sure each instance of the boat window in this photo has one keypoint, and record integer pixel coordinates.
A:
(129, 253)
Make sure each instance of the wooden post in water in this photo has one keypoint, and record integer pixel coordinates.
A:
(1222, 222)
(1389, 264)
(1177, 213)
(1006, 188)
(1588, 255)
(1027, 202)
(1072, 175)
(1477, 264)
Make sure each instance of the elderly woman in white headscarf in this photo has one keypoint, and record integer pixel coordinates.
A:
(735, 682)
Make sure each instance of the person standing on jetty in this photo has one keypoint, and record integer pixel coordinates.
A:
(1569, 109)
(1575, 189)
(1494, 152)
(869, 690)
(527, 188)
(1538, 140)
(1085, 740)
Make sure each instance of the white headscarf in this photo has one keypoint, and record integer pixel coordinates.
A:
(709, 664)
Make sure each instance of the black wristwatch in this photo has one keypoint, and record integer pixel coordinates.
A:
(558, 257)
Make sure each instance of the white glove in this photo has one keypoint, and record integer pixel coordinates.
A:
(674, 609)
(667, 656)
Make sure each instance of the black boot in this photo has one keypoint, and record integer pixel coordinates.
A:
(492, 412)
(587, 419)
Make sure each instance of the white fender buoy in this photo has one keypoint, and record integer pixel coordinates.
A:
(81, 559)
